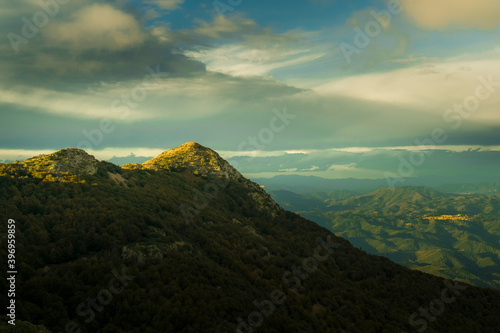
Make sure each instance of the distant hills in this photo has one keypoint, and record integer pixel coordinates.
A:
(312, 184)
(413, 227)
(308, 184)
(184, 243)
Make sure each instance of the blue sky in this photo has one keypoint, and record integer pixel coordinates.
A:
(118, 77)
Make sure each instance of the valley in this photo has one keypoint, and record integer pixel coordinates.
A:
(453, 236)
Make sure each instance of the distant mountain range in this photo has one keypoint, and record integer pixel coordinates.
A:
(184, 243)
(418, 227)
(313, 184)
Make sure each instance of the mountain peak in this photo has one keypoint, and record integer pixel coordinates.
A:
(195, 157)
(409, 191)
(204, 161)
(65, 161)
(191, 145)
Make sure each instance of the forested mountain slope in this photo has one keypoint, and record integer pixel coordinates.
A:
(176, 246)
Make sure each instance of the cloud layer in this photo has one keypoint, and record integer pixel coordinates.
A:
(169, 71)
(96, 27)
(442, 14)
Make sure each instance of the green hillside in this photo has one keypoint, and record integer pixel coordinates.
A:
(407, 226)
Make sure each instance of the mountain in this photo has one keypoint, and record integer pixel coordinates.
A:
(308, 184)
(66, 161)
(396, 200)
(204, 162)
(453, 236)
(312, 201)
(296, 202)
(411, 201)
(23, 327)
(112, 250)
(196, 158)
(131, 159)
(484, 188)
(333, 195)
(312, 184)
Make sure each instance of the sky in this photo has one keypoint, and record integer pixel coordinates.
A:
(301, 87)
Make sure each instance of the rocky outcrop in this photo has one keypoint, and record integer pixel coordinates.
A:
(192, 156)
(205, 162)
(66, 161)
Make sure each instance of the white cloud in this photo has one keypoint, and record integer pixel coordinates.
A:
(413, 59)
(20, 154)
(163, 34)
(332, 152)
(432, 14)
(215, 95)
(103, 154)
(259, 54)
(342, 167)
(97, 26)
(56, 102)
(250, 153)
(313, 168)
(429, 89)
(242, 60)
(110, 152)
(256, 52)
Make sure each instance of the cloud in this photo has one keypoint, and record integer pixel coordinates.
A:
(163, 34)
(223, 27)
(84, 60)
(288, 170)
(444, 14)
(444, 162)
(215, 94)
(96, 27)
(380, 109)
(258, 53)
(390, 41)
(20, 154)
(87, 44)
(342, 167)
(246, 60)
(166, 4)
(313, 168)
(413, 59)
(431, 88)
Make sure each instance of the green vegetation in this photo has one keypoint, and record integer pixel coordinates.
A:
(192, 156)
(454, 236)
(201, 276)
(21, 326)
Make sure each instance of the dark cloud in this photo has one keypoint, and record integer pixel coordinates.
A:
(49, 59)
